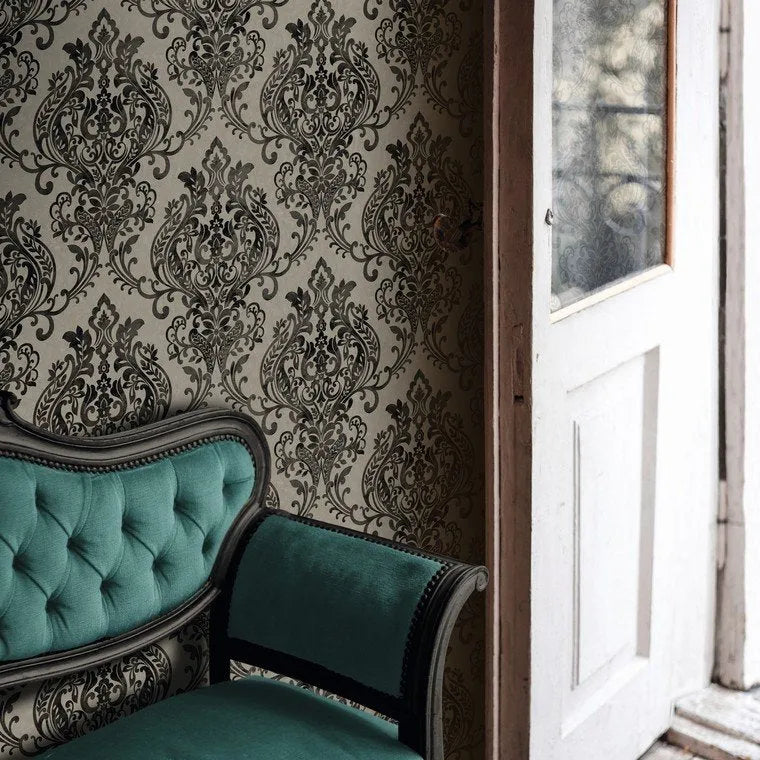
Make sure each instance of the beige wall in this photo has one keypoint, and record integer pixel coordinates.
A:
(234, 206)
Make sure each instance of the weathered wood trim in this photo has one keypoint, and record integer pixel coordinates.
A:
(509, 302)
(731, 630)
(490, 380)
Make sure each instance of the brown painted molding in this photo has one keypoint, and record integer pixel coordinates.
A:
(509, 256)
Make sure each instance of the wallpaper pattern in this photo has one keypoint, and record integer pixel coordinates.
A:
(272, 205)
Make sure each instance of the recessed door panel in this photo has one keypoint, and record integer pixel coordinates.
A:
(614, 440)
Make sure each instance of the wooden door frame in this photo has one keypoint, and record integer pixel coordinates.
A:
(512, 225)
(509, 219)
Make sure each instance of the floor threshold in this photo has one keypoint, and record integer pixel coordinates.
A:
(713, 724)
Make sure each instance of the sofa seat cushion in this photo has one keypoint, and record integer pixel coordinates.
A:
(252, 718)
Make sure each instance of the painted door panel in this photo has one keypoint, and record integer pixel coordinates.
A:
(624, 483)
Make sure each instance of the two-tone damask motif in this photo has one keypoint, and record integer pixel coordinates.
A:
(109, 381)
(30, 293)
(27, 266)
(425, 284)
(420, 38)
(217, 253)
(69, 707)
(321, 102)
(462, 720)
(467, 358)
(65, 708)
(105, 117)
(321, 373)
(27, 279)
(19, 68)
(466, 104)
(239, 670)
(153, 268)
(193, 640)
(220, 52)
(418, 484)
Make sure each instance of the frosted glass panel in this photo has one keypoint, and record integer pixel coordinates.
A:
(610, 79)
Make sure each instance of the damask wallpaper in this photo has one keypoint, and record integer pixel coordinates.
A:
(272, 205)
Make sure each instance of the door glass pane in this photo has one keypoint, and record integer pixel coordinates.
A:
(609, 122)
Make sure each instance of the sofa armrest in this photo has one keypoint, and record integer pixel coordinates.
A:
(359, 616)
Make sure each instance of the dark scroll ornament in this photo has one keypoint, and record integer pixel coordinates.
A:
(463, 730)
(109, 381)
(322, 369)
(31, 294)
(218, 56)
(106, 115)
(217, 253)
(400, 224)
(19, 69)
(321, 98)
(27, 277)
(14, 741)
(57, 710)
(466, 104)
(239, 670)
(193, 640)
(418, 484)
(68, 707)
(421, 40)
(48, 713)
(468, 364)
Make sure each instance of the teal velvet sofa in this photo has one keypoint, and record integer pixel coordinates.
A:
(108, 544)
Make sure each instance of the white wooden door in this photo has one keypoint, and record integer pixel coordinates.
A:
(624, 383)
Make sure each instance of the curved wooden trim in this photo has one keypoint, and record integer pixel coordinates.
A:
(129, 448)
(120, 451)
(422, 726)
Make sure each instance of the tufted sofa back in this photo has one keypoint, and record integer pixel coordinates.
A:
(90, 555)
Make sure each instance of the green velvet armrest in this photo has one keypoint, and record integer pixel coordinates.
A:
(359, 616)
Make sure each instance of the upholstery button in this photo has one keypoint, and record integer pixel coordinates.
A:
(16, 564)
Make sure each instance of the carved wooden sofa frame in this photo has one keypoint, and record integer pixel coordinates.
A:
(360, 617)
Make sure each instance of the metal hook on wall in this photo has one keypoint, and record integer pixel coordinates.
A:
(457, 237)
